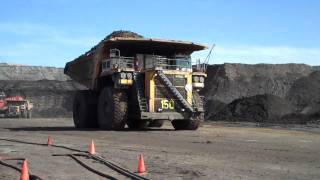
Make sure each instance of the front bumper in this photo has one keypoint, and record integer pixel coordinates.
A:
(168, 116)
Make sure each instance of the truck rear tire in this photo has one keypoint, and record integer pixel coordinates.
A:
(186, 124)
(84, 110)
(156, 123)
(112, 109)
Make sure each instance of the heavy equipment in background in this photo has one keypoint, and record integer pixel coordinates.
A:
(15, 106)
(139, 82)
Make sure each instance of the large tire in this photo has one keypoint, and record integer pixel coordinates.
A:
(84, 110)
(92, 98)
(112, 109)
(137, 124)
(194, 123)
(186, 124)
(156, 123)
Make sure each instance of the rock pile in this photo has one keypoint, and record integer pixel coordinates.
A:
(286, 93)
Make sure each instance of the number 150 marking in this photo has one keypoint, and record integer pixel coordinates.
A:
(167, 104)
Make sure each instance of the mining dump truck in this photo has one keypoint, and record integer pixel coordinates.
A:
(137, 81)
(15, 106)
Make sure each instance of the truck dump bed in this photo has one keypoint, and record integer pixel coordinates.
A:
(86, 68)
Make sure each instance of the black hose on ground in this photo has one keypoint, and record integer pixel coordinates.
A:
(10, 166)
(91, 169)
(97, 158)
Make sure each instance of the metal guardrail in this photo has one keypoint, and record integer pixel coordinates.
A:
(123, 62)
(158, 62)
(120, 62)
(173, 64)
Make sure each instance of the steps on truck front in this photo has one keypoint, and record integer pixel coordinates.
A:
(198, 102)
(138, 83)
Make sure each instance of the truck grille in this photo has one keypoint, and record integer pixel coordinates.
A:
(162, 92)
(176, 80)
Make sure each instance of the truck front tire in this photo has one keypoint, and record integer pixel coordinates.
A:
(186, 124)
(112, 109)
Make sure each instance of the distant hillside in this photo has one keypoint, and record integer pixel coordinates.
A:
(31, 73)
(317, 68)
(47, 87)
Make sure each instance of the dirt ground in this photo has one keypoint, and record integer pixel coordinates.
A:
(215, 151)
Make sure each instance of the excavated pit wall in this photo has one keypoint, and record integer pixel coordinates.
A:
(284, 93)
(47, 88)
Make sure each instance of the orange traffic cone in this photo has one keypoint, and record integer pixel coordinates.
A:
(92, 149)
(49, 141)
(141, 167)
(24, 171)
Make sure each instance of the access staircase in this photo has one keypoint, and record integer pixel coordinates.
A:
(142, 100)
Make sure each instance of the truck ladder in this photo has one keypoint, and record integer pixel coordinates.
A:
(174, 91)
(197, 102)
(143, 105)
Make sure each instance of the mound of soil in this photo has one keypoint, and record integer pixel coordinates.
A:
(287, 93)
(31, 73)
(259, 108)
(228, 82)
(212, 107)
(122, 33)
(114, 34)
(305, 95)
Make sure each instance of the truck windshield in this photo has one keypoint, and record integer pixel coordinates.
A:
(183, 62)
(172, 63)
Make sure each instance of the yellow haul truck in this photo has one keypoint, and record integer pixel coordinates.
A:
(139, 82)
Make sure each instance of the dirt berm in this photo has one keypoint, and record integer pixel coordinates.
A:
(48, 88)
(284, 93)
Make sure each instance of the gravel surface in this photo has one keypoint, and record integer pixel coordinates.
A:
(215, 151)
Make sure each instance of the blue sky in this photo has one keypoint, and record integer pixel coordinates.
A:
(52, 32)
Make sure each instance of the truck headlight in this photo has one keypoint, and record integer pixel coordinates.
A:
(201, 79)
(129, 76)
(123, 75)
(195, 79)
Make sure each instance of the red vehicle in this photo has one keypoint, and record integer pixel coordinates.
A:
(15, 106)
(3, 104)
